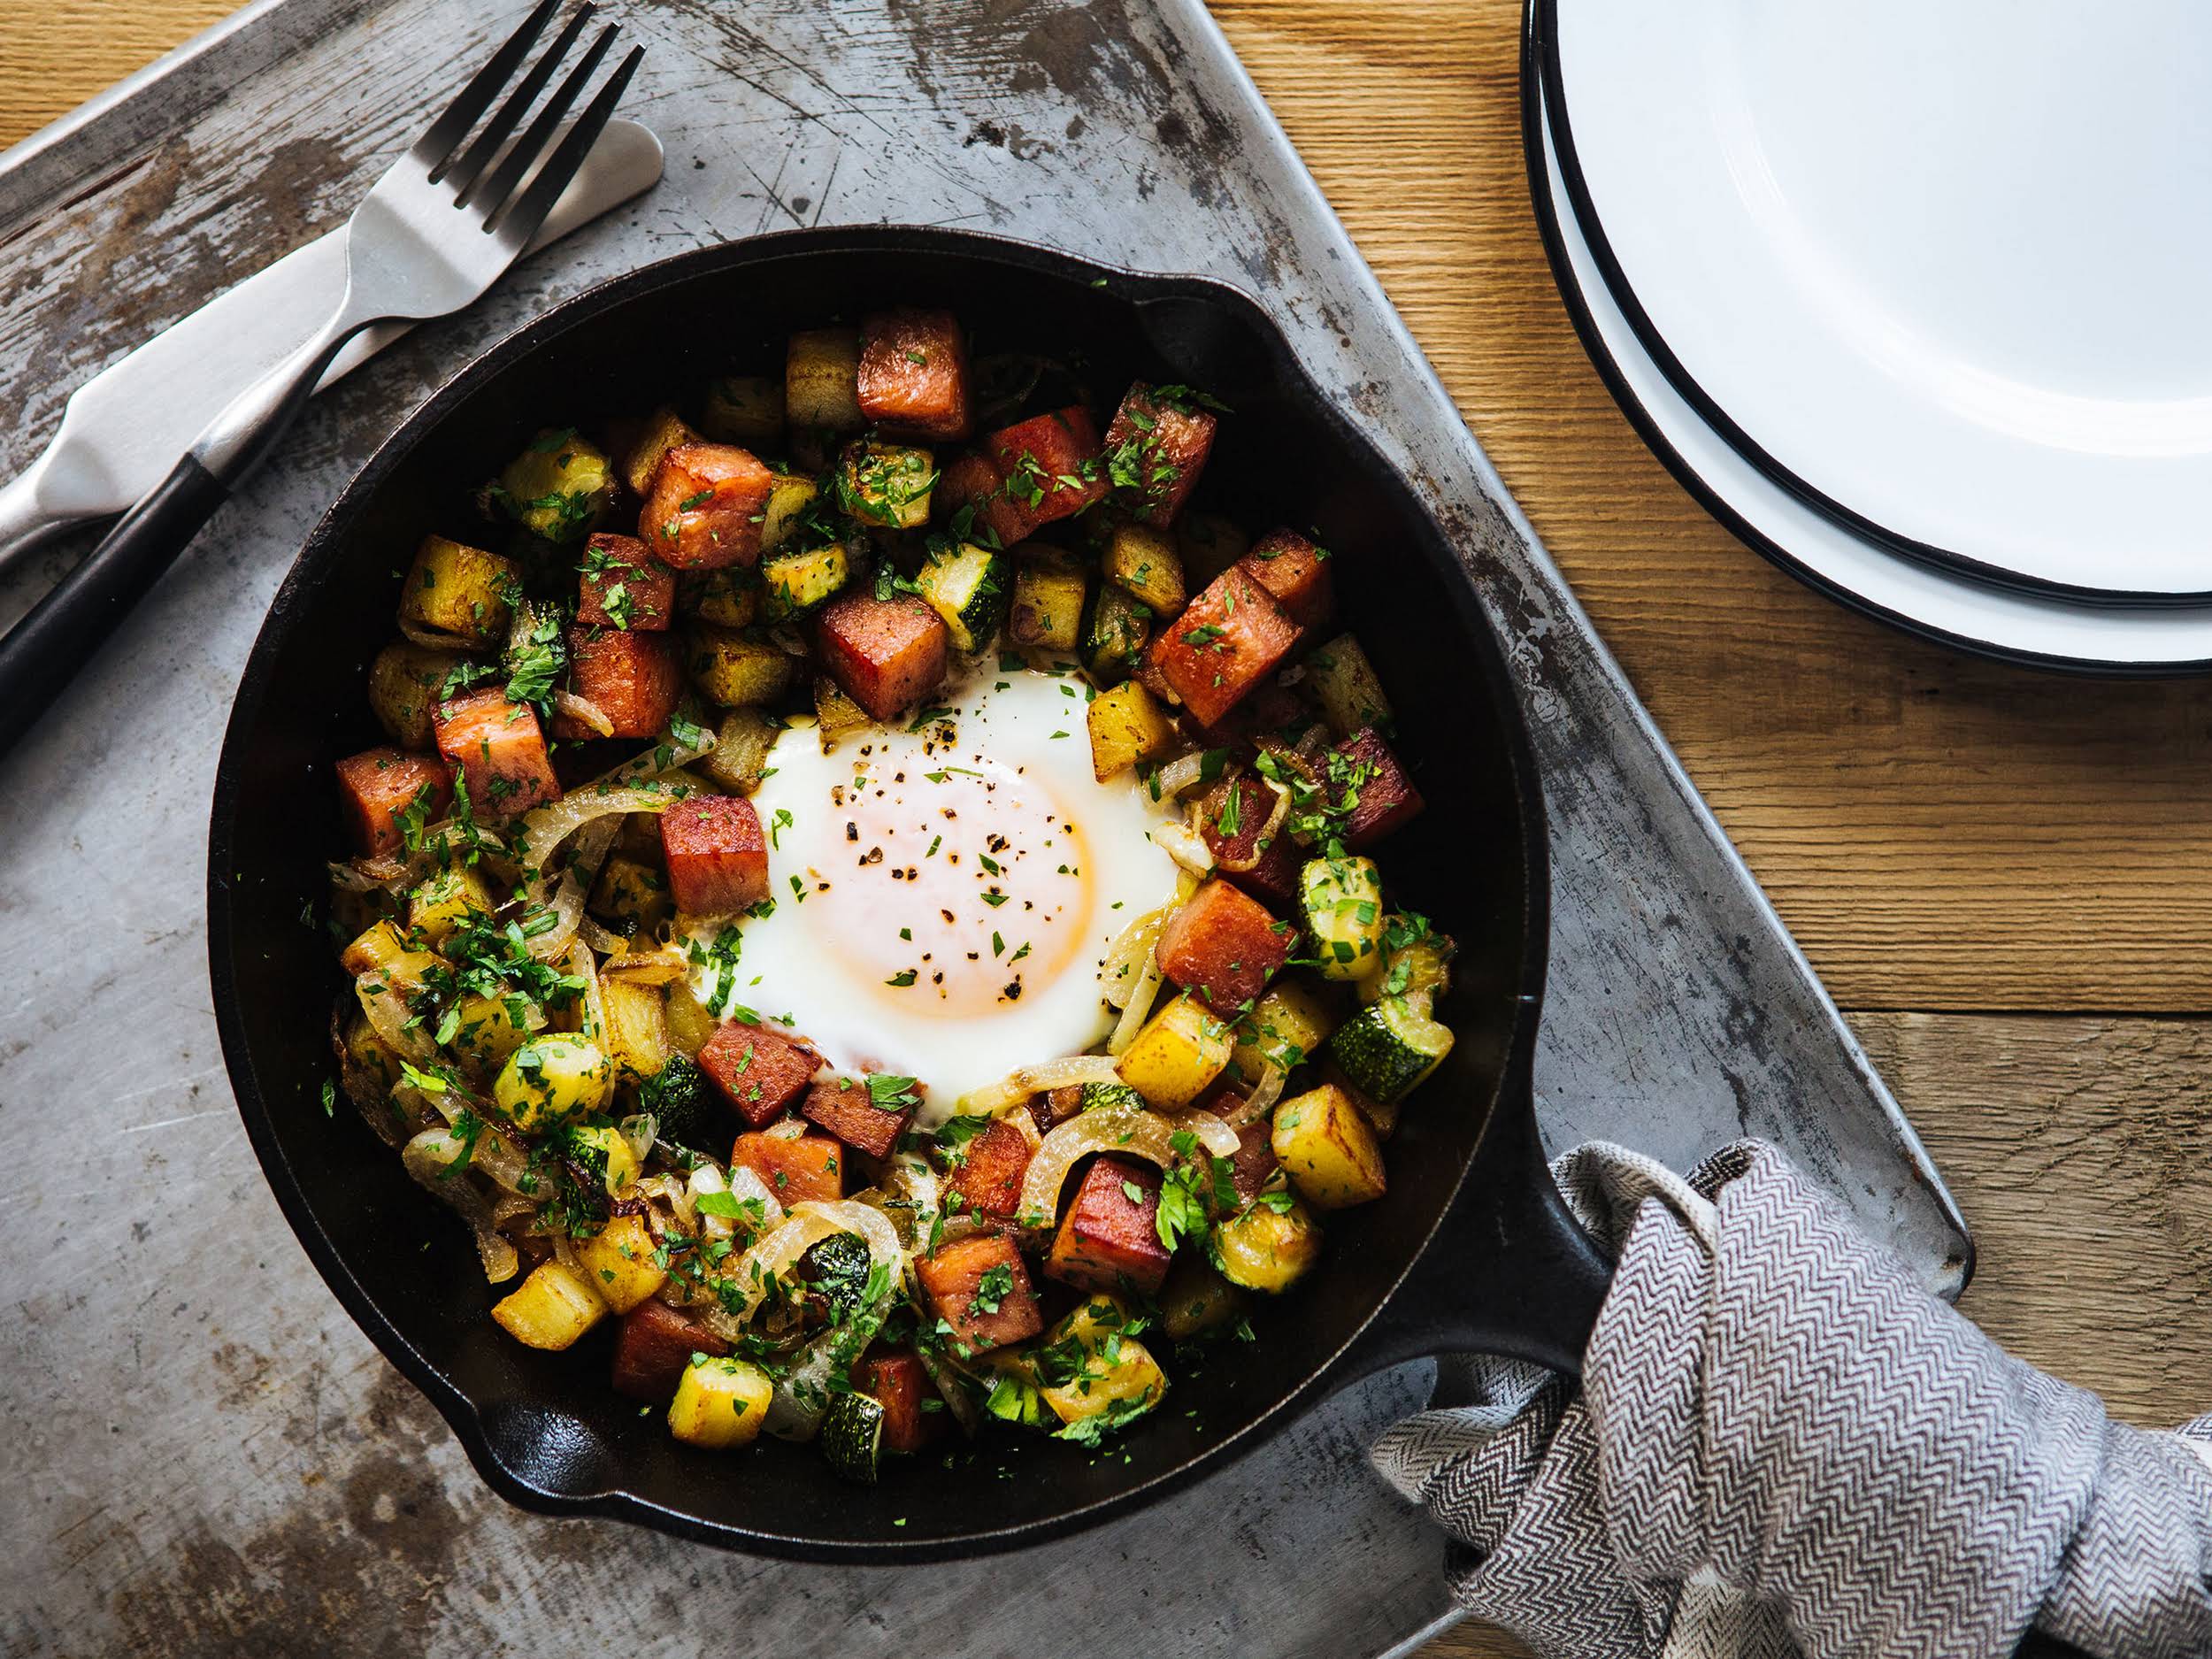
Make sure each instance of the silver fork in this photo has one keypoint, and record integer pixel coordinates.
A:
(436, 231)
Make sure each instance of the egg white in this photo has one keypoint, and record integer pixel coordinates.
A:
(901, 832)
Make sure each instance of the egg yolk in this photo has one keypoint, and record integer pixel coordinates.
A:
(962, 883)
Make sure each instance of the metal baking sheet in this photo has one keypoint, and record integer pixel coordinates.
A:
(209, 1458)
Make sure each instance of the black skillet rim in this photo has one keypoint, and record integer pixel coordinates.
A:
(1534, 95)
(323, 546)
(1543, 32)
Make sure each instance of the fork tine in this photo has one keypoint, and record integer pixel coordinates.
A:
(533, 143)
(432, 149)
(486, 144)
(521, 221)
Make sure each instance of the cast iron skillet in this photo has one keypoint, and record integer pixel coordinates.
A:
(1471, 1250)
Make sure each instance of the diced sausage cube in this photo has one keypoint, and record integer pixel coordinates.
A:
(1272, 709)
(759, 1071)
(633, 679)
(1049, 464)
(1387, 799)
(798, 1169)
(654, 1346)
(887, 654)
(1222, 943)
(904, 1389)
(846, 1108)
(716, 854)
(1055, 1107)
(988, 1181)
(706, 508)
(497, 749)
(974, 485)
(1296, 574)
(980, 1288)
(1233, 817)
(625, 587)
(1155, 449)
(378, 784)
(913, 375)
(1226, 642)
(1110, 1239)
(1253, 1162)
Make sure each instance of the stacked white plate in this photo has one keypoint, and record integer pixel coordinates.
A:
(1917, 299)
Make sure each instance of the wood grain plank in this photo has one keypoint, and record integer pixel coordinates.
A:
(56, 54)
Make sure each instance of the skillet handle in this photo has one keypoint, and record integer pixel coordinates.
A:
(1510, 1272)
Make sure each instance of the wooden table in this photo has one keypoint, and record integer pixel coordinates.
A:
(2005, 878)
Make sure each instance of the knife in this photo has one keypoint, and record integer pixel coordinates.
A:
(124, 428)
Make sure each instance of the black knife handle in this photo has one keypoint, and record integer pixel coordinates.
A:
(45, 651)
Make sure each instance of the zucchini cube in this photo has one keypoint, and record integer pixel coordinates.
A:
(1115, 630)
(618, 1262)
(886, 484)
(790, 501)
(1389, 1046)
(1181, 1050)
(793, 583)
(551, 1079)
(1342, 902)
(550, 1308)
(1268, 1246)
(720, 1402)
(967, 586)
(460, 591)
(1096, 1365)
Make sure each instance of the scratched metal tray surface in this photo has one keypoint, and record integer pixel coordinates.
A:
(208, 1458)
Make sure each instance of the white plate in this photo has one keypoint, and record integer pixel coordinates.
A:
(1925, 599)
(1941, 267)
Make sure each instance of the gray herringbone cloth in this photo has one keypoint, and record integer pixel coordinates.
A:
(1784, 1447)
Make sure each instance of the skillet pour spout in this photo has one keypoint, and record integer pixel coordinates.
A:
(1472, 1247)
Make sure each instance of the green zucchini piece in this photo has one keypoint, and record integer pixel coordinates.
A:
(1116, 630)
(559, 487)
(1388, 1047)
(838, 1267)
(968, 587)
(852, 1437)
(1341, 901)
(1108, 1096)
(886, 484)
(800, 581)
(686, 1108)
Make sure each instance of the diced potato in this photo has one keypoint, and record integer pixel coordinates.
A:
(1287, 1027)
(618, 1262)
(720, 1402)
(886, 484)
(786, 513)
(550, 1308)
(1127, 728)
(386, 952)
(1196, 1298)
(636, 1037)
(690, 1027)
(1209, 544)
(601, 1147)
(1417, 961)
(1047, 613)
(560, 487)
(731, 598)
(1114, 632)
(1328, 1148)
(1345, 684)
(445, 900)
(664, 430)
(630, 891)
(1115, 1369)
(404, 683)
(1269, 1247)
(740, 750)
(488, 1033)
(1142, 562)
(552, 1079)
(745, 409)
(821, 375)
(461, 591)
(1182, 1049)
(834, 712)
(737, 671)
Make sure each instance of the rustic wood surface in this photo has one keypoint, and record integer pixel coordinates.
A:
(2001, 876)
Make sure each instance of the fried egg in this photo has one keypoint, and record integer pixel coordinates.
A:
(945, 893)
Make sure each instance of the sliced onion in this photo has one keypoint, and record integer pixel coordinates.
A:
(637, 1133)
(1139, 1007)
(808, 1224)
(361, 876)
(584, 711)
(544, 828)
(430, 1158)
(1184, 845)
(389, 1018)
(745, 1182)
(611, 945)
(566, 902)
(1121, 1130)
(581, 965)
(958, 1399)
(911, 1195)
(1017, 1086)
(661, 966)
(1116, 974)
(1261, 1101)
(436, 638)
(1182, 773)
